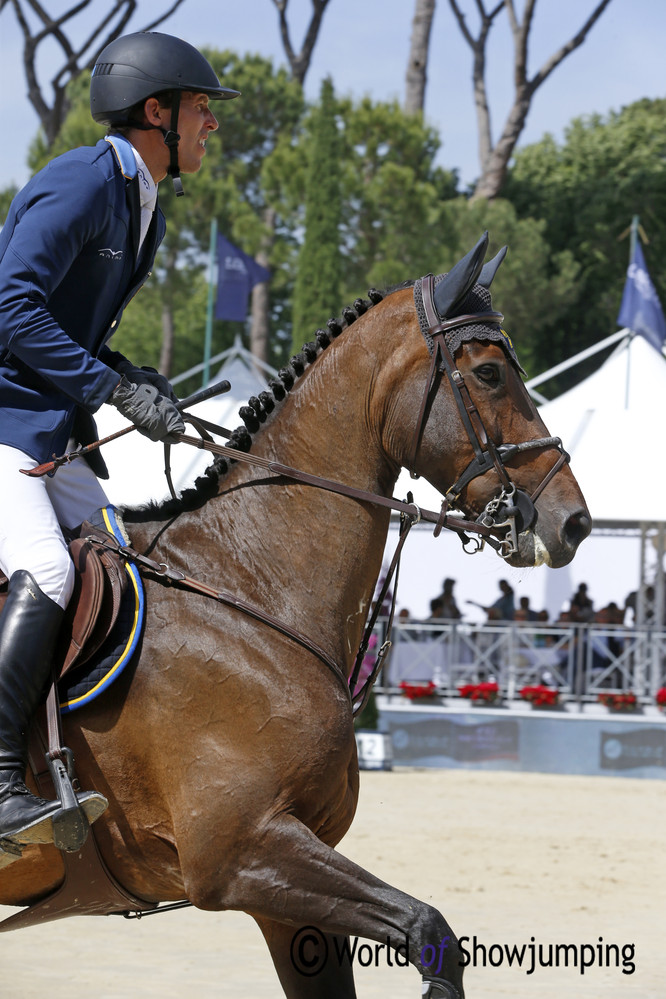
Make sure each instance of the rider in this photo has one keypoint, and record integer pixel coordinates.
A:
(78, 242)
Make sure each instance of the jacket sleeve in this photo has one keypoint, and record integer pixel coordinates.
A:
(65, 209)
(112, 358)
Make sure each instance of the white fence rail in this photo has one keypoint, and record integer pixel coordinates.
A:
(582, 661)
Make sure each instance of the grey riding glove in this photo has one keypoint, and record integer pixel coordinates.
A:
(153, 415)
(142, 376)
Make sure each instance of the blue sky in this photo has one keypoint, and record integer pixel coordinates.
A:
(364, 44)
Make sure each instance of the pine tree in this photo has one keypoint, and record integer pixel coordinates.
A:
(319, 278)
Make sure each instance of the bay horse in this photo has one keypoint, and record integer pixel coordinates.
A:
(227, 752)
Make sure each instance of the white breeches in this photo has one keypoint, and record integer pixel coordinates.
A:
(32, 511)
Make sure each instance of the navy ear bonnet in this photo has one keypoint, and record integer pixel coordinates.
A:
(472, 280)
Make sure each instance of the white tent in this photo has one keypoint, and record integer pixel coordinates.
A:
(136, 464)
(611, 425)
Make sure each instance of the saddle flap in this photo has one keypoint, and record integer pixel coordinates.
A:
(99, 583)
(84, 606)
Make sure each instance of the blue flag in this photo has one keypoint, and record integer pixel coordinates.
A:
(640, 310)
(237, 276)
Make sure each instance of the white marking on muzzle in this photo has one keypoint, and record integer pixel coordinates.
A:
(541, 554)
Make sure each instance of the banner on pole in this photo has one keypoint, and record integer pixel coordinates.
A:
(237, 275)
(641, 309)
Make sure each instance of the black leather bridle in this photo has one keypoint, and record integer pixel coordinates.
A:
(513, 510)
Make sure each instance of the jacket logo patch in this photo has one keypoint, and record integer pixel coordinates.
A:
(109, 254)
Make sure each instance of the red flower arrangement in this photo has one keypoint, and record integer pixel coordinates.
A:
(418, 691)
(540, 696)
(486, 693)
(661, 698)
(619, 702)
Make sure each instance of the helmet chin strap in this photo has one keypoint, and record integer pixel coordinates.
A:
(171, 140)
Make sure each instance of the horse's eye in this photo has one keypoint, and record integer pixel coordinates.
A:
(488, 373)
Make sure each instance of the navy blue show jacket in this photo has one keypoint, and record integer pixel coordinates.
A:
(68, 268)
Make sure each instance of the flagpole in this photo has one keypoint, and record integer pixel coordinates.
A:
(208, 340)
(633, 236)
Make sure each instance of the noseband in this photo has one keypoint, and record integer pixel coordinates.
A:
(512, 510)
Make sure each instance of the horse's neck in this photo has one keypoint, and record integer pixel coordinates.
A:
(308, 556)
(330, 547)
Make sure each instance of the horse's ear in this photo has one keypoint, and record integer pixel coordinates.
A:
(490, 269)
(454, 286)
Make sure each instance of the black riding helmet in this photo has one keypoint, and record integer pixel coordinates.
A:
(135, 67)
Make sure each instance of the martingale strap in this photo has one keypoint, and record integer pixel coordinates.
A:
(161, 572)
(172, 577)
(360, 697)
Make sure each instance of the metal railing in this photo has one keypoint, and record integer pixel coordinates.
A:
(581, 661)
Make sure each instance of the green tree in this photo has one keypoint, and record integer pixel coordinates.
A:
(319, 273)
(391, 190)
(586, 190)
(393, 194)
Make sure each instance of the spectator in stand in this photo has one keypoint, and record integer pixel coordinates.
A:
(504, 607)
(613, 614)
(581, 608)
(524, 612)
(542, 640)
(630, 604)
(650, 608)
(607, 648)
(436, 609)
(449, 607)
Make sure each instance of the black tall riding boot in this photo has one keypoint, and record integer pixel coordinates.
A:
(29, 626)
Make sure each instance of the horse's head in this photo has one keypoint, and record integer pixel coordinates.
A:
(500, 465)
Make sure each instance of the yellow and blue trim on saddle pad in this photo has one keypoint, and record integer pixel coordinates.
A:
(93, 678)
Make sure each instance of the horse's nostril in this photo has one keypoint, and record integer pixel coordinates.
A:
(577, 527)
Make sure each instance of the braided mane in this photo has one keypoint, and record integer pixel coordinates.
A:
(255, 413)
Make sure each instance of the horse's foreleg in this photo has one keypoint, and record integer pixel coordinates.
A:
(308, 962)
(287, 875)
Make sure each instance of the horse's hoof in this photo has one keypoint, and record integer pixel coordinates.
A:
(431, 989)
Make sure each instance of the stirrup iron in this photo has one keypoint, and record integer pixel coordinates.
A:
(70, 824)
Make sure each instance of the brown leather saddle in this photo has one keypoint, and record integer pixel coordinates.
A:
(99, 584)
